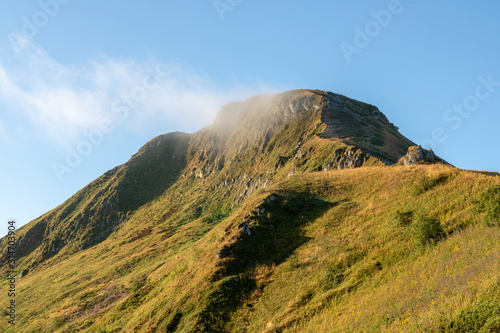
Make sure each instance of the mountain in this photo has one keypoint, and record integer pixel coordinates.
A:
(294, 212)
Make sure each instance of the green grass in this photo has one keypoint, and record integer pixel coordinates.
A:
(428, 230)
(333, 244)
(489, 204)
(375, 249)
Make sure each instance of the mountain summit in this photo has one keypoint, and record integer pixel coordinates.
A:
(299, 211)
(249, 144)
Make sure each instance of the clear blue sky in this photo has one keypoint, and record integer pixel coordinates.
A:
(104, 77)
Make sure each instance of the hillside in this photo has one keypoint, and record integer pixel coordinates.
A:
(293, 212)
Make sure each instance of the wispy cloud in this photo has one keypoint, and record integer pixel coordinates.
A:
(58, 101)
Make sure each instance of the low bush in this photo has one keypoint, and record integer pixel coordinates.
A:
(482, 316)
(489, 204)
(424, 183)
(332, 276)
(404, 217)
(428, 230)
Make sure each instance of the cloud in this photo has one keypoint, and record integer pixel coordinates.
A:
(57, 102)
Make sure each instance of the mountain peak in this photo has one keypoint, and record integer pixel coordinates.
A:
(341, 118)
(250, 144)
(236, 211)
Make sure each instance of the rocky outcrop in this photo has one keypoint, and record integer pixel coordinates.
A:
(250, 144)
(347, 118)
(419, 155)
(346, 159)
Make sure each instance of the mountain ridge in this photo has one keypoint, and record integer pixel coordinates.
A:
(283, 217)
(357, 130)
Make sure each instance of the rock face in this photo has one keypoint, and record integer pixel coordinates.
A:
(419, 155)
(346, 159)
(363, 126)
(344, 121)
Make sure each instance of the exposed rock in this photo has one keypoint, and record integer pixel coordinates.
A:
(346, 159)
(259, 210)
(273, 131)
(225, 252)
(245, 228)
(272, 197)
(419, 155)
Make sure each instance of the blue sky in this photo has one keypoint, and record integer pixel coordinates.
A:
(98, 79)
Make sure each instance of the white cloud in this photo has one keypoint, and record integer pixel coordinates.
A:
(58, 101)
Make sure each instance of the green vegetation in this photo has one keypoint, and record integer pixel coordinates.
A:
(241, 229)
(483, 316)
(489, 203)
(404, 218)
(333, 246)
(428, 230)
(425, 183)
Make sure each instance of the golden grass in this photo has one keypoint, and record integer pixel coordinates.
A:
(357, 271)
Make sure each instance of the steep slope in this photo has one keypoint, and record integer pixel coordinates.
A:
(332, 251)
(92, 214)
(249, 143)
(265, 221)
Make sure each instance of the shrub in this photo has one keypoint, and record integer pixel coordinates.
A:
(489, 203)
(423, 183)
(332, 276)
(404, 217)
(428, 230)
(482, 316)
(491, 325)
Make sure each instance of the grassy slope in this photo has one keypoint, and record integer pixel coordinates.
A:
(329, 244)
(94, 212)
(248, 151)
(336, 259)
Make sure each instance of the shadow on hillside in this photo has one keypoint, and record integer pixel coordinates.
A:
(278, 233)
(150, 172)
(275, 235)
